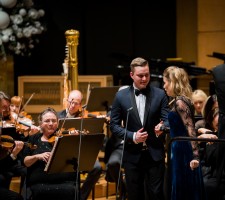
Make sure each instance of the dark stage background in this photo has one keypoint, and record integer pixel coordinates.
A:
(111, 34)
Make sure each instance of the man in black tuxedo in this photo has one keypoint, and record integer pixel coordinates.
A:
(143, 109)
(219, 80)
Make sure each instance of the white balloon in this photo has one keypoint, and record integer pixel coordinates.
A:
(32, 13)
(5, 38)
(8, 3)
(4, 19)
(22, 12)
(19, 34)
(41, 12)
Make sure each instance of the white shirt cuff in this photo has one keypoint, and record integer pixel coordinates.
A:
(134, 138)
(12, 156)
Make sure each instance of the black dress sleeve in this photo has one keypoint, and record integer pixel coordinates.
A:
(183, 107)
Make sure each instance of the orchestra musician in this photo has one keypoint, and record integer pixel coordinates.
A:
(73, 110)
(57, 186)
(7, 155)
(198, 98)
(218, 77)
(18, 116)
(112, 158)
(16, 103)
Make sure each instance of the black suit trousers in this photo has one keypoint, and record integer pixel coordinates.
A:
(145, 179)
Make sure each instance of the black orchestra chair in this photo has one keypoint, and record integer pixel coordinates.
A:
(82, 179)
(58, 191)
(121, 190)
(20, 171)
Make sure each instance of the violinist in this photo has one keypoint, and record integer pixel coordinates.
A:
(73, 110)
(4, 107)
(7, 156)
(16, 103)
(44, 185)
(18, 116)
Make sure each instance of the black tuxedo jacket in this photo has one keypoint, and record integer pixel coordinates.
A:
(156, 109)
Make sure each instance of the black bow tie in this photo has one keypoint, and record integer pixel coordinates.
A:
(143, 91)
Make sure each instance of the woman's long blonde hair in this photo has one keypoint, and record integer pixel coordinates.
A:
(178, 77)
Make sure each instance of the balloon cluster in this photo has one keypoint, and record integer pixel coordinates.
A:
(20, 25)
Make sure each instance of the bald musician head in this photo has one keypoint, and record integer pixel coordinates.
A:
(74, 103)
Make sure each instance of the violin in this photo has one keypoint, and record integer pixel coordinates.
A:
(23, 124)
(73, 131)
(98, 115)
(8, 142)
(62, 132)
(53, 136)
(19, 115)
(59, 132)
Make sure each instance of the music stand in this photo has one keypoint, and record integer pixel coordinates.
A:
(65, 151)
(92, 125)
(101, 98)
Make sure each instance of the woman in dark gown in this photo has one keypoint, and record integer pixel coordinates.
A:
(186, 178)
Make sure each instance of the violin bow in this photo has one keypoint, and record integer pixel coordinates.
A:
(88, 93)
(64, 120)
(17, 117)
(20, 110)
(28, 100)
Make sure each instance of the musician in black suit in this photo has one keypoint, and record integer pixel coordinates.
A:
(7, 161)
(8, 156)
(144, 156)
(113, 153)
(73, 105)
(112, 158)
(219, 80)
(73, 110)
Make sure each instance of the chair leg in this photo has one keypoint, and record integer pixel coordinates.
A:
(107, 189)
(123, 188)
(22, 180)
(93, 193)
(26, 191)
